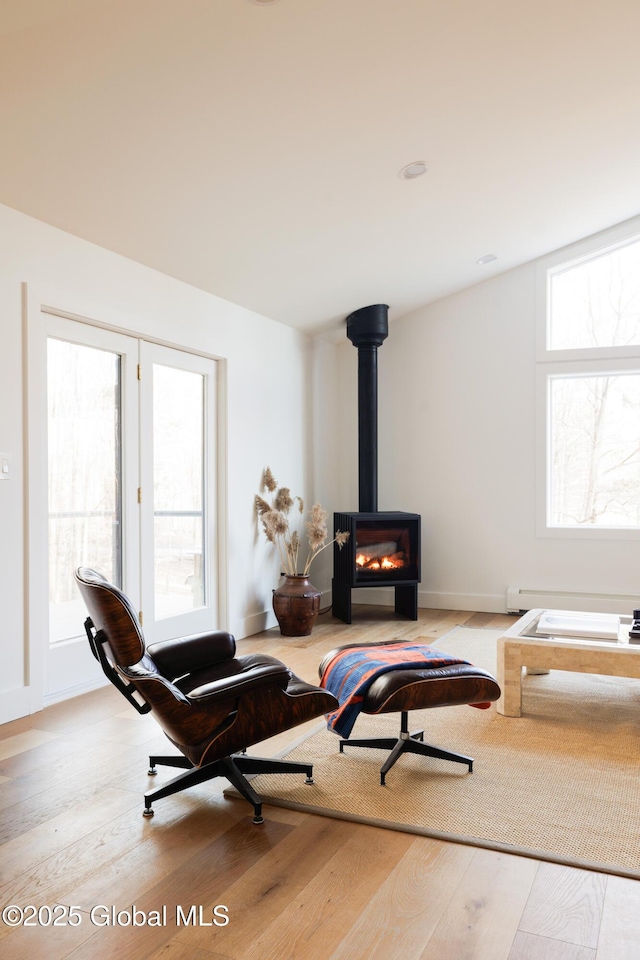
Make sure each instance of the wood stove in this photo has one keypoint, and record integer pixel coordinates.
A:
(383, 548)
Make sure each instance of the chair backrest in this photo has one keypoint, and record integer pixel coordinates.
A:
(117, 641)
(113, 615)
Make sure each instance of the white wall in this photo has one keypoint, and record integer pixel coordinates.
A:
(457, 440)
(457, 431)
(269, 406)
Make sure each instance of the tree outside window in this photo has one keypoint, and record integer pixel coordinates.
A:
(593, 418)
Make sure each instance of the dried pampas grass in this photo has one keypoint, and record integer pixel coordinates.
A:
(274, 518)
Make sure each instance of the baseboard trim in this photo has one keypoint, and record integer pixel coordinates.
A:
(432, 600)
(475, 602)
(50, 698)
(256, 623)
(15, 704)
(384, 597)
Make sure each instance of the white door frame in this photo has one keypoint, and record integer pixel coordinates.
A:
(39, 308)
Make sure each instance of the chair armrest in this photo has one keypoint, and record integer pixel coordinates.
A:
(174, 658)
(240, 684)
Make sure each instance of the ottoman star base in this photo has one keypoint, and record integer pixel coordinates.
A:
(405, 743)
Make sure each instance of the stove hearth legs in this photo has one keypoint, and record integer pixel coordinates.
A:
(406, 600)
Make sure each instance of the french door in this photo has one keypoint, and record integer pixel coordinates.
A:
(131, 486)
(177, 492)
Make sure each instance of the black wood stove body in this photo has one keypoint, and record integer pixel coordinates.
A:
(383, 549)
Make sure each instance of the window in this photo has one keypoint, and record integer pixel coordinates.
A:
(594, 439)
(596, 303)
(589, 380)
(84, 474)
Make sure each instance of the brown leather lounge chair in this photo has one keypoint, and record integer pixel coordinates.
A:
(211, 704)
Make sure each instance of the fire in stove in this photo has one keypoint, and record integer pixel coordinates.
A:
(380, 556)
(383, 547)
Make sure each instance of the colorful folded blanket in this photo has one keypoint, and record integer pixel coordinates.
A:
(349, 674)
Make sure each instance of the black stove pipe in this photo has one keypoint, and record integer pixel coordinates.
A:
(367, 329)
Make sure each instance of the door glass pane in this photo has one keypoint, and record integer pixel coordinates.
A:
(595, 451)
(84, 459)
(178, 463)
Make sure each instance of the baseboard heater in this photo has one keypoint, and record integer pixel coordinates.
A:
(520, 599)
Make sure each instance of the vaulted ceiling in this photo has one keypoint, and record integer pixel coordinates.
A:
(253, 149)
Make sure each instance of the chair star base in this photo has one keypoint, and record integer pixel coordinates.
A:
(231, 768)
(405, 743)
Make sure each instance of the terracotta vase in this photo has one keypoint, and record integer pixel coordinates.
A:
(296, 604)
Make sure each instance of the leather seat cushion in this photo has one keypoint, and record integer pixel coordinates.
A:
(228, 669)
(418, 688)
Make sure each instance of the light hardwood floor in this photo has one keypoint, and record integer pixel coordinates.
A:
(299, 886)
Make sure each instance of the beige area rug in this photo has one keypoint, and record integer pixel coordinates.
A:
(561, 783)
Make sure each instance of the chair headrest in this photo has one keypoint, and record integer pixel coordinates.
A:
(112, 612)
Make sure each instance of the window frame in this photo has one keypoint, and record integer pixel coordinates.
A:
(575, 362)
